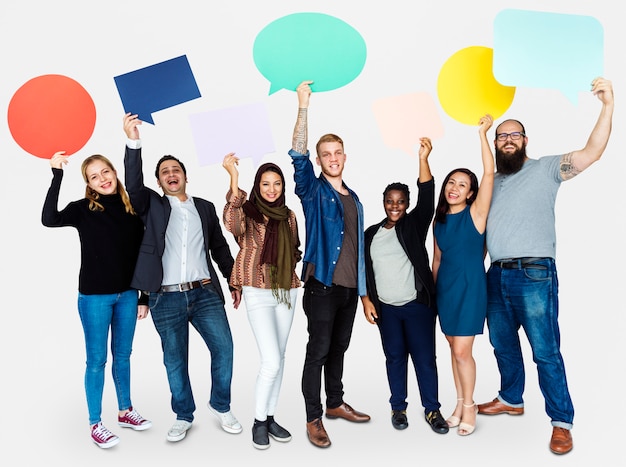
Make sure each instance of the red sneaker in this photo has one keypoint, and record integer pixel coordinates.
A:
(132, 419)
(103, 437)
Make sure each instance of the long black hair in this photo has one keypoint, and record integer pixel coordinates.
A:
(443, 205)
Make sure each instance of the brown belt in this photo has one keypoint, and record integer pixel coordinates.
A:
(185, 286)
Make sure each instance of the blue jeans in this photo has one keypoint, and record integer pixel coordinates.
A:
(528, 298)
(98, 314)
(330, 315)
(203, 308)
(410, 330)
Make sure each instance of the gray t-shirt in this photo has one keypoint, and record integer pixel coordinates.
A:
(521, 220)
(393, 271)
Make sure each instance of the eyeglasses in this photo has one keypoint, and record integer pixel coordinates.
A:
(515, 135)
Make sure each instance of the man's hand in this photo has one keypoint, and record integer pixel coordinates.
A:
(130, 126)
(602, 88)
(304, 93)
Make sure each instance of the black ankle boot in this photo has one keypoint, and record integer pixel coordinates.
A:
(260, 438)
(276, 431)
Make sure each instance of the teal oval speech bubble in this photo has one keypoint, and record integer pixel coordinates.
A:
(309, 46)
(548, 50)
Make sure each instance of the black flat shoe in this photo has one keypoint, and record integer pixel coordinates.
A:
(399, 420)
(437, 422)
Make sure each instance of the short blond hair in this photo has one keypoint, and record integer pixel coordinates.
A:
(328, 138)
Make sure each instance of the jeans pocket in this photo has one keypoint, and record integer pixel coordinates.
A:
(315, 288)
(537, 274)
(153, 300)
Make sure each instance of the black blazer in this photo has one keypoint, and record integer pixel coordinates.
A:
(411, 230)
(154, 209)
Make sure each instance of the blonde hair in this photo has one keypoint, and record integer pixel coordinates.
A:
(93, 196)
(328, 138)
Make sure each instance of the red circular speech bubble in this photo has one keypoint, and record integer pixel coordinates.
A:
(51, 113)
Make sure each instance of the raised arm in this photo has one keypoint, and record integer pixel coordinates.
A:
(575, 162)
(480, 207)
(299, 141)
(233, 216)
(230, 163)
(50, 215)
(130, 126)
(424, 167)
(133, 166)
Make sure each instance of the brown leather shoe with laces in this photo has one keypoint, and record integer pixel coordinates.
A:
(317, 434)
(348, 413)
(561, 441)
(496, 407)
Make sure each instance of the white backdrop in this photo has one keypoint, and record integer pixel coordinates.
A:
(44, 415)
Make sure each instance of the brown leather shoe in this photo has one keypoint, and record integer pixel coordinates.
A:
(561, 441)
(317, 434)
(495, 407)
(347, 412)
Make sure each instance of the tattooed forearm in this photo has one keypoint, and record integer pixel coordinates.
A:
(568, 168)
(300, 133)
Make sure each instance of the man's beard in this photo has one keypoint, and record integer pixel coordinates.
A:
(508, 164)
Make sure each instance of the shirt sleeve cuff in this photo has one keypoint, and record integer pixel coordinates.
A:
(133, 143)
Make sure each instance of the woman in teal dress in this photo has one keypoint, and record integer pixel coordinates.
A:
(459, 272)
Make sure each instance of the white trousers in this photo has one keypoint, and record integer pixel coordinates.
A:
(271, 323)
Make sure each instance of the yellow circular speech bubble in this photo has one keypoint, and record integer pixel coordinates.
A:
(467, 89)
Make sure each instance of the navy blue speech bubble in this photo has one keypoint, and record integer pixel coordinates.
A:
(157, 87)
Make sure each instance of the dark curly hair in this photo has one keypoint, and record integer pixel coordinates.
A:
(397, 186)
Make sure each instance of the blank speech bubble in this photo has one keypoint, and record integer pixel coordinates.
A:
(467, 89)
(157, 87)
(403, 120)
(547, 50)
(244, 130)
(51, 113)
(309, 46)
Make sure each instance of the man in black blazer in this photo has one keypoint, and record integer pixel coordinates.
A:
(182, 238)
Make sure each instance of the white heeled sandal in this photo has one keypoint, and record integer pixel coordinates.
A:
(465, 429)
(453, 421)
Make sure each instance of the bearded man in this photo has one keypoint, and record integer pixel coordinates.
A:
(522, 284)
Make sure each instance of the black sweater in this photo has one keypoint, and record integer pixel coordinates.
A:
(109, 239)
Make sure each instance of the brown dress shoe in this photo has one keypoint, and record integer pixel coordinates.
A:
(347, 412)
(495, 407)
(561, 441)
(317, 434)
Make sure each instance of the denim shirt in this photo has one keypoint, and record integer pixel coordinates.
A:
(323, 213)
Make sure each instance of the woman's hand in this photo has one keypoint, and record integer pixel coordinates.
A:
(58, 160)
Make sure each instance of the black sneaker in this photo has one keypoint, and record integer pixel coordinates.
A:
(399, 419)
(260, 439)
(437, 422)
(276, 431)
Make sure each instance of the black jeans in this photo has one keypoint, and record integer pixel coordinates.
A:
(330, 315)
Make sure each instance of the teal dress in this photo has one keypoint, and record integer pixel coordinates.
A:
(461, 279)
